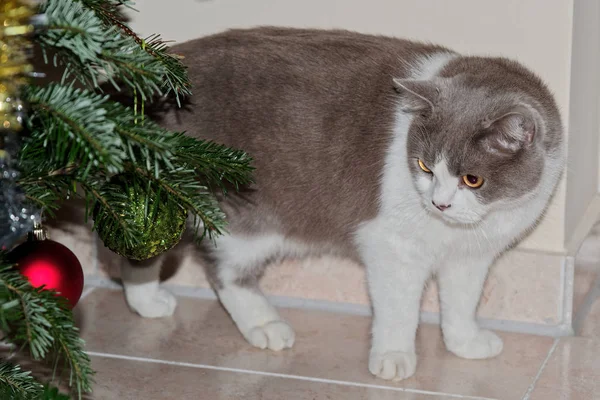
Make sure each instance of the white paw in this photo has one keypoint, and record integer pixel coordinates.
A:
(157, 303)
(275, 335)
(396, 365)
(485, 344)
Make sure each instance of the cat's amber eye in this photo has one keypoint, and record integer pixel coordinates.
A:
(424, 167)
(472, 181)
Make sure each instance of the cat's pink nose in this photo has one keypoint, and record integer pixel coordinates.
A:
(441, 207)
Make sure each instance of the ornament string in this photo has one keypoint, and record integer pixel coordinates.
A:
(141, 100)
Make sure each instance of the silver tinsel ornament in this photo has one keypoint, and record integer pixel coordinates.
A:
(16, 217)
(17, 23)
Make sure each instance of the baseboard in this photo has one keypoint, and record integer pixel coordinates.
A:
(562, 328)
(586, 223)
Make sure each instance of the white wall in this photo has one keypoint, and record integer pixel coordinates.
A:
(584, 128)
(536, 32)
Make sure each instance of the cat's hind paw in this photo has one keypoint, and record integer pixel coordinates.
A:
(156, 303)
(485, 344)
(274, 335)
(393, 365)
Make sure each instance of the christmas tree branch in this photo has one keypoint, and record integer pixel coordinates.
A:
(75, 122)
(214, 163)
(176, 78)
(18, 384)
(124, 61)
(193, 196)
(93, 43)
(115, 204)
(95, 52)
(110, 11)
(41, 322)
(45, 190)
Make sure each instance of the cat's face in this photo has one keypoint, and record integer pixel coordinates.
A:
(470, 150)
(446, 193)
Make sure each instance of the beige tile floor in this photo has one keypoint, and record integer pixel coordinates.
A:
(198, 354)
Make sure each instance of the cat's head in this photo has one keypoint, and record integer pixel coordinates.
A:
(474, 147)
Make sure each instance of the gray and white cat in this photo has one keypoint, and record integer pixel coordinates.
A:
(409, 158)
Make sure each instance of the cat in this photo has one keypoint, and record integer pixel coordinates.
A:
(408, 158)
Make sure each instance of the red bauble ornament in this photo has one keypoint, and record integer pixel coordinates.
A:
(49, 263)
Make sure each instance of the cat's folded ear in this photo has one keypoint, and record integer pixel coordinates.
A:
(416, 96)
(511, 131)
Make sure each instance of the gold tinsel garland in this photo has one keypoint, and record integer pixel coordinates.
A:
(15, 26)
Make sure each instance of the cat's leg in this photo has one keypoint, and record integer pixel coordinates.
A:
(396, 275)
(143, 293)
(461, 285)
(239, 263)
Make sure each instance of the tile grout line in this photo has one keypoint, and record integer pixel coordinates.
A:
(279, 375)
(541, 370)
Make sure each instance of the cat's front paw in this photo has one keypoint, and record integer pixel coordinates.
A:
(395, 365)
(484, 344)
(151, 304)
(274, 335)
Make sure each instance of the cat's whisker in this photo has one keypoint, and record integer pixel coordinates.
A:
(481, 228)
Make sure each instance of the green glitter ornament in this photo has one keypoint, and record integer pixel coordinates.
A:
(159, 220)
